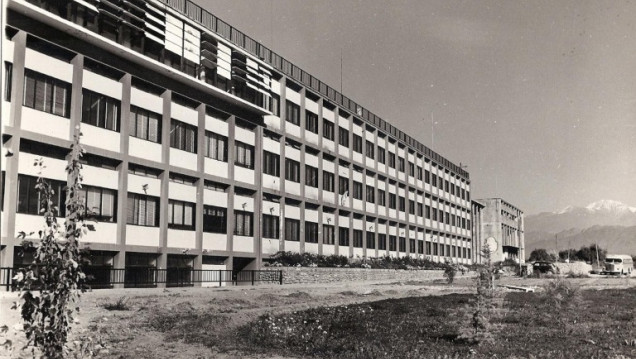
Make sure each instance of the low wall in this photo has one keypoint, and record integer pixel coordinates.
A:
(293, 275)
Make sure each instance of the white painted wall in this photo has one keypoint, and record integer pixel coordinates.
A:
(182, 192)
(47, 124)
(146, 100)
(183, 159)
(47, 65)
(144, 149)
(243, 244)
(102, 85)
(184, 114)
(181, 239)
(243, 174)
(142, 236)
(214, 241)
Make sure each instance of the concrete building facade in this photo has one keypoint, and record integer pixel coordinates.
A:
(206, 149)
(497, 219)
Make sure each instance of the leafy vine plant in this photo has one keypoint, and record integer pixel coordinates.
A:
(50, 287)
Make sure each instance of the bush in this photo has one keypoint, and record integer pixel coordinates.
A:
(449, 273)
(120, 304)
(292, 259)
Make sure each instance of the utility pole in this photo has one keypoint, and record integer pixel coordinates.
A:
(556, 245)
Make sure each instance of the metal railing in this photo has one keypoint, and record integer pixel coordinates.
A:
(148, 277)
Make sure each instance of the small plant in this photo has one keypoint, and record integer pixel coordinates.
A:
(51, 285)
(560, 301)
(481, 314)
(120, 304)
(449, 273)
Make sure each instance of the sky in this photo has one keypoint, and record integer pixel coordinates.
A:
(537, 98)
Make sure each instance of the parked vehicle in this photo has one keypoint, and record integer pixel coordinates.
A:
(618, 264)
(544, 267)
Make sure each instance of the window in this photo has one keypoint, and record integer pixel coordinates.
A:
(401, 164)
(357, 190)
(420, 209)
(99, 203)
(311, 121)
(311, 176)
(419, 173)
(411, 245)
(427, 176)
(271, 226)
(8, 75)
(370, 240)
(411, 207)
(446, 186)
(381, 155)
(343, 236)
(243, 223)
(327, 181)
(327, 129)
(420, 247)
(428, 212)
(370, 150)
(468, 253)
(214, 219)
(143, 210)
(343, 137)
(370, 194)
(381, 198)
(328, 235)
(271, 164)
(292, 113)
(183, 136)
(402, 244)
(275, 105)
(311, 232)
(440, 215)
(402, 203)
(448, 250)
(428, 247)
(215, 146)
(292, 230)
(145, 124)
(391, 160)
(29, 197)
(357, 238)
(454, 249)
(44, 93)
(292, 170)
(357, 143)
(382, 241)
(392, 243)
(434, 211)
(99, 110)
(392, 201)
(435, 249)
(411, 169)
(343, 185)
(180, 215)
(244, 155)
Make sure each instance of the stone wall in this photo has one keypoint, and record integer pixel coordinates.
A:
(328, 275)
(576, 268)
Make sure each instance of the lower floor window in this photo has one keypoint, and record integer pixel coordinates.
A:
(311, 232)
(214, 219)
(328, 235)
(270, 226)
(243, 223)
(142, 210)
(180, 215)
(292, 230)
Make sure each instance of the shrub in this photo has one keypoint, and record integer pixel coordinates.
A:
(449, 273)
(292, 259)
(120, 304)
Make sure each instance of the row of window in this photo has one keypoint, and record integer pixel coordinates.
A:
(50, 95)
(143, 210)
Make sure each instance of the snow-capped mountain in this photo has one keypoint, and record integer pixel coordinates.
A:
(600, 213)
(604, 220)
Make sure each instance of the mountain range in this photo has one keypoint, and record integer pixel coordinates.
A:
(611, 224)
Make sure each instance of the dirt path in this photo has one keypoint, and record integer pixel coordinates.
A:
(123, 332)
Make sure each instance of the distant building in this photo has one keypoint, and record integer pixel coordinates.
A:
(498, 219)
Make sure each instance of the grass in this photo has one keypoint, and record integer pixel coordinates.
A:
(427, 327)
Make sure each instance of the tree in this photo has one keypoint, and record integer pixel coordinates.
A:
(55, 272)
(541, 254)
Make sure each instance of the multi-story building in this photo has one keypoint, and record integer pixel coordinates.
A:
(205, 148)
(497, 221)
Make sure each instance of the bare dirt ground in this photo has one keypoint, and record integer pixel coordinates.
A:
(124, 336)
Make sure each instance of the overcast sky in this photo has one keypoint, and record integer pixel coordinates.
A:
(538, 98)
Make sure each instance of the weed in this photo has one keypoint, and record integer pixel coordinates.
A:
(120, 304)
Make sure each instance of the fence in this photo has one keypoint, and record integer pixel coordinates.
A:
(149, 277)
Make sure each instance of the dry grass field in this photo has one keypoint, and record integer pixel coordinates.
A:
(348, 320)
